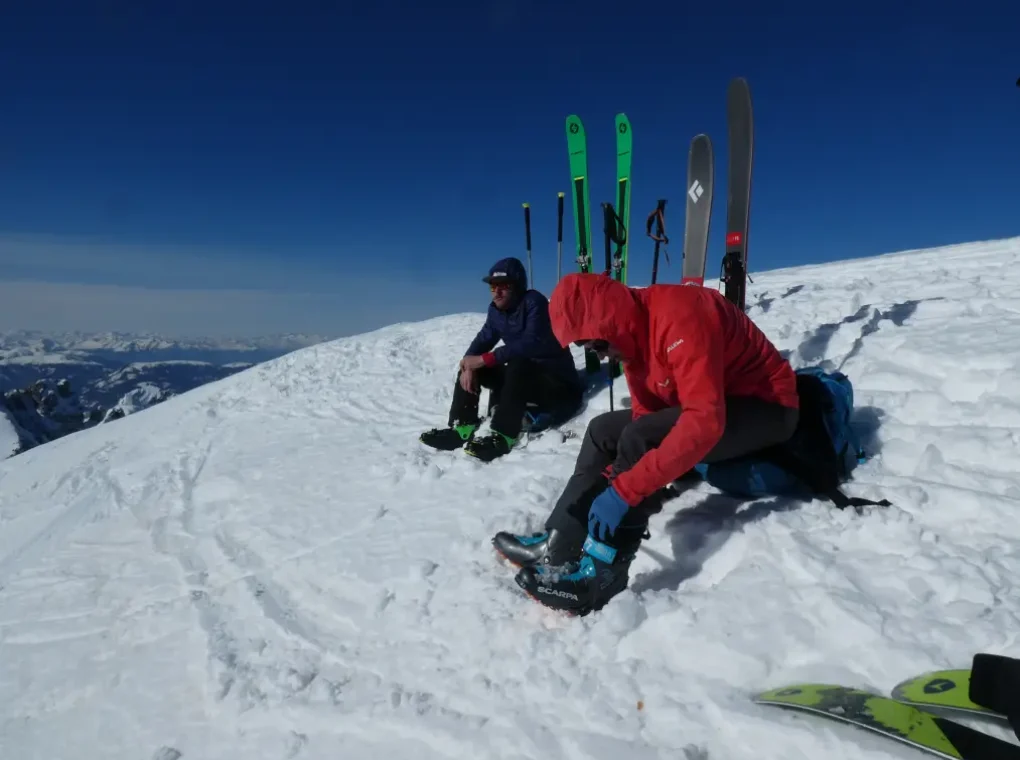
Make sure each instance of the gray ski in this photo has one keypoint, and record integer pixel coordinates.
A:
(700, 191)
(740, 123)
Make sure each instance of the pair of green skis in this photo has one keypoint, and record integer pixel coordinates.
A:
(908, 715)
(616, 220)
(577, 149)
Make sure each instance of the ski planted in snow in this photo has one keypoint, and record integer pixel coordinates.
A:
(577, 150)
(624, 143)
(896, 720)
(740, 125)
(700, 191)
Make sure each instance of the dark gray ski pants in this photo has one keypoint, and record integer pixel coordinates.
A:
(615, 439)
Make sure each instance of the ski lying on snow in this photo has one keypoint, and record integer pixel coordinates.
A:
(945, 689)
(891, 718)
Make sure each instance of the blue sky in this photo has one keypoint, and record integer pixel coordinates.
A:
(196, 167)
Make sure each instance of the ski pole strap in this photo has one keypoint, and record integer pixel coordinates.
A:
(614, 228)
(816, 481)
(657, 215)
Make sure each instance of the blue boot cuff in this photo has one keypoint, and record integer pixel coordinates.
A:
(598, 550)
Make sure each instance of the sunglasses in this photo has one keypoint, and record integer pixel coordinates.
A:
(494, 286)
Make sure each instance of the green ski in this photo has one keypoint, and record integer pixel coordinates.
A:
(577, 150)
(623, 162)
(892, 719)
(941, 689)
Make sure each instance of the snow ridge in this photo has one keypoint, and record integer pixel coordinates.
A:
(272, 566)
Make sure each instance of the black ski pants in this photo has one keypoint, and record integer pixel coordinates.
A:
(513, 386)
(615, 439)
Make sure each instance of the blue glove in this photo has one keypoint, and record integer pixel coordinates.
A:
(605, 514)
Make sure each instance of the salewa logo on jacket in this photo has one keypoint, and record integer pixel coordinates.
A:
(674, 344)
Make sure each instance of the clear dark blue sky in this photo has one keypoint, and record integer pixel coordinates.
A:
(367, 162)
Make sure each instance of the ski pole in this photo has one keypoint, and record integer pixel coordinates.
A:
(527, 236)
(559, 237)
(615, 233)
(607, 223)
(658, 216)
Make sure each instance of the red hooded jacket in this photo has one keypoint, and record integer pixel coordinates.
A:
(682, 345)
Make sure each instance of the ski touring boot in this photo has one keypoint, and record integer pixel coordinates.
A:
(448, 438)
(528, 550)
(582, 586)
(489, 447)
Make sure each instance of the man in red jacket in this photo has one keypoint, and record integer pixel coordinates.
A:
(705, 384)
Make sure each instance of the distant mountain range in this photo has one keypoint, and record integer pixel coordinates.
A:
(52, 385)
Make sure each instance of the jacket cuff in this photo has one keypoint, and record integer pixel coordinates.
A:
(622, 485)
(489, 358)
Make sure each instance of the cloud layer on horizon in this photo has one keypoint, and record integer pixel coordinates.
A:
(54, 284)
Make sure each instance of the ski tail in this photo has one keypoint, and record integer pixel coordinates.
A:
(894, 720)
(624, 146)
(577, 150)
(700, 192)
(740, 125)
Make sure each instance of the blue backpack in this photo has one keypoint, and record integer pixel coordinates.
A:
(822, 453)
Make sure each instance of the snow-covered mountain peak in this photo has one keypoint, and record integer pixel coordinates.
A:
(271, 565)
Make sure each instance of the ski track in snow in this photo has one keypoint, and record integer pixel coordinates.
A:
(271, 566)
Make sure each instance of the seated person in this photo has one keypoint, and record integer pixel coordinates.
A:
(531, 367)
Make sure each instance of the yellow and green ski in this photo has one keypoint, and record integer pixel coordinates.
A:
(891, 718)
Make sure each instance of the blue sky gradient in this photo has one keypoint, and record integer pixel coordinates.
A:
(330, 168)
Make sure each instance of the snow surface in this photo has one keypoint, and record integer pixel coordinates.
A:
(142, 397)
(9, 440)
(271, 565)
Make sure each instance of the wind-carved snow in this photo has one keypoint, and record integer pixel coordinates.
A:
(272, 566)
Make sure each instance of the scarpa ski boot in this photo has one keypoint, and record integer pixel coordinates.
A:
(582, 586)
(549, 548)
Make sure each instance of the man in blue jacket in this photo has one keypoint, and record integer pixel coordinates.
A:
(530, 367)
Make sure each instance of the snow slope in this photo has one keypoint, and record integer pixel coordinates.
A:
(271, 566)
(9, 440)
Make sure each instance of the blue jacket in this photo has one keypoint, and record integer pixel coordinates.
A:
(524, 328)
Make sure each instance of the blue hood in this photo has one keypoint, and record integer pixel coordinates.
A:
(509, 269)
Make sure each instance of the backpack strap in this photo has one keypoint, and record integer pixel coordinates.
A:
(817, 481)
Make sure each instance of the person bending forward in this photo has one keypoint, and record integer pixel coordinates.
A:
(705, 384)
